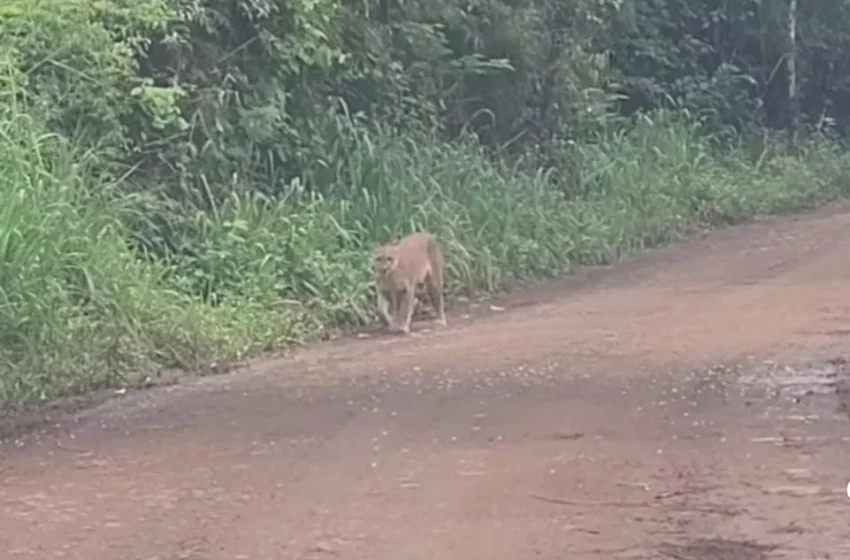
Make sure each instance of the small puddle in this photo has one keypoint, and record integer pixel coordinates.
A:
(823, 379)
(716, 549)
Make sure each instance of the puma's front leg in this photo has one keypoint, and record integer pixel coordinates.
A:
(383, 309)
(406, 309)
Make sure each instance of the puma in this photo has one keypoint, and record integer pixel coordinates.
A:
(400, 268)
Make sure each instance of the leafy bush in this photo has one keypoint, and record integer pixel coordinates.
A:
(78, 309)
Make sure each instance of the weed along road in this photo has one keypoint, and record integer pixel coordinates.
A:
(690, 403)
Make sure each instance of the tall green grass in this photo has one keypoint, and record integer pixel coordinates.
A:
(81, 307)
(78, 309)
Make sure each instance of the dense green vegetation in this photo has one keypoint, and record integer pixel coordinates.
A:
(187, 182)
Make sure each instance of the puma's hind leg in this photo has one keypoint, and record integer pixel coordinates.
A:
(435, 293)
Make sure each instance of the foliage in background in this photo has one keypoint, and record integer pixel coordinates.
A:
(186, 182)
(727, 59)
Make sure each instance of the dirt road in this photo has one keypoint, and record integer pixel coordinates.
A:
(684, 405)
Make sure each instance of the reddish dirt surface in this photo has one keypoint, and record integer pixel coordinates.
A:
(687, 404)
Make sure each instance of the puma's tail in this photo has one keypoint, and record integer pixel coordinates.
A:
(436, 255)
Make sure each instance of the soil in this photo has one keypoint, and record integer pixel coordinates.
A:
(690, 403)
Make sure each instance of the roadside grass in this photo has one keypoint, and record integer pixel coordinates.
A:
(99, 287)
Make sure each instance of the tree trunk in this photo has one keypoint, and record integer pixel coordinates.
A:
(793, 116)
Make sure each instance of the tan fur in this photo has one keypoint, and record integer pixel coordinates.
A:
(400, 268)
